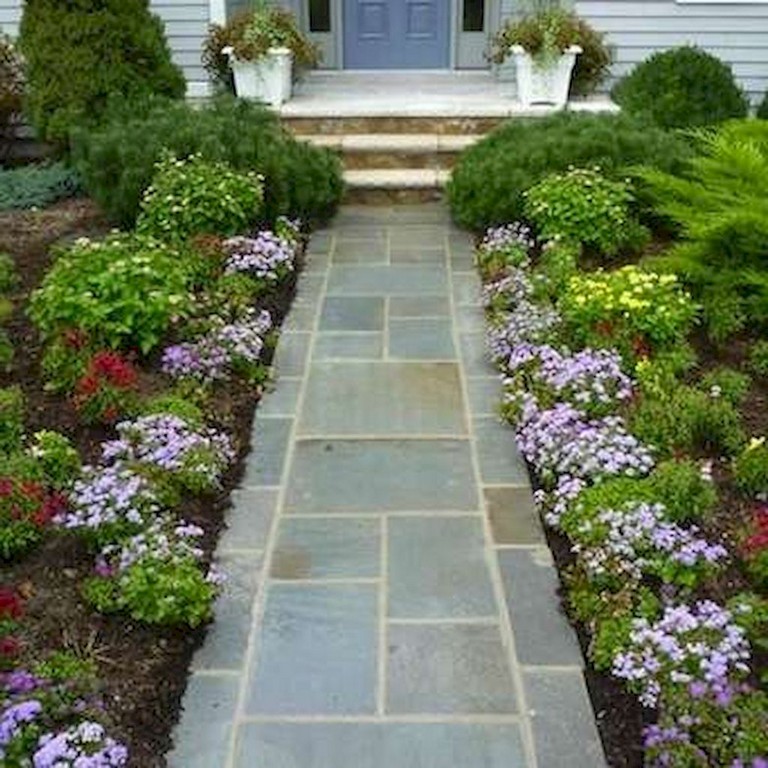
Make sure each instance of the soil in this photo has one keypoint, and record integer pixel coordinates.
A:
(142, 670)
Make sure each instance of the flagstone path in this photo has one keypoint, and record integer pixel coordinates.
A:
(391, 599)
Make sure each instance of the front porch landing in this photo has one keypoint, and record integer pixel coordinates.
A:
(429, 93)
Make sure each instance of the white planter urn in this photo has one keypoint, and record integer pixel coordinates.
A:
(269, 79)
(544, 83)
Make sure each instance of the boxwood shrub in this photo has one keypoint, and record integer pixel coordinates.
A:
(117, 159)
(488, 182)
(79, 52)
(682, 88)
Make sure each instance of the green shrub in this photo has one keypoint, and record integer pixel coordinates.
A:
(194, 196)
(487, 185)
(117, 160)
(175, 405)
(758, 358)
(6, 351)
(558, 263)
(36, 186)
(119, 292)
(11, 93)
(58, 459)
(682, 487)
(690, 421)
(79, 53)
(720, 205)
(582, 206)
(762, 108)
(12, 406)
(8, 277)
(727, 383)
(682, 88)
(558, 29)
(750, 468)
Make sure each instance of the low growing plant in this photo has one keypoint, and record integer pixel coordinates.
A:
(107, 389)
(195, 196)
(57, 457)
(750, 468)
(727, 383)
(12, 406)
(122, 292)
(582, 206)
(758, 358)
(8, 277)
(37, 186)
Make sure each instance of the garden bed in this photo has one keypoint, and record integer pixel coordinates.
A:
(142, 669)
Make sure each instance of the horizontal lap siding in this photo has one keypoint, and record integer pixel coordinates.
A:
(736, 33)
(10, 14)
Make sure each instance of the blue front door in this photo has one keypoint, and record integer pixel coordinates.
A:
(396, 34)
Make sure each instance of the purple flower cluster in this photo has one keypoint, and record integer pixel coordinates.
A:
(508, 291)
(508, 238)
(265, 257)
(168, 443)
(20, 681)
(698, 647)
(528, 322)
(562, 442)
(212, 357)
(631, 539)
(14, 718)
(108, 495)
(83, 746)
(164, 539)
(590, 379)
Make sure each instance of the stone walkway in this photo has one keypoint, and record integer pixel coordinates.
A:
(391, 602)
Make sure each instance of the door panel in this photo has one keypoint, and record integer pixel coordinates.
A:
(396, 34)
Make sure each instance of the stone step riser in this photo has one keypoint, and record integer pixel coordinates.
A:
(393, 160)
(382, 197)
(443, 126)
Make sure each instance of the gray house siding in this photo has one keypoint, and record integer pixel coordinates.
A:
(186, 25)
(735, 32)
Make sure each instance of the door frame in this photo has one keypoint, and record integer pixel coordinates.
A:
(332, 43)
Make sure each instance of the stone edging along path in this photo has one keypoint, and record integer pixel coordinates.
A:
(392, 601)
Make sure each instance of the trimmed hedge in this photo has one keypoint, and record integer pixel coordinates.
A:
(78, 53)
(488, 182)
(117, 159)
(682, 88)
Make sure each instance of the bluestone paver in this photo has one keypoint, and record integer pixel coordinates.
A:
(392, 602)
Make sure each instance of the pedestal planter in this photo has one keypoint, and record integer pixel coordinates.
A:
(268, 79)
(544, 83)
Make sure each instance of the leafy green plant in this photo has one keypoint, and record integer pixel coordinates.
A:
(551, 32)
(758, 358)
(6, 351)
(487, 184)
(685, 490)
(728, 383)
(719, 203)
(25, 511)
(117, 159)
(762, 108)
(57, 457)
(120, 292)
(35, 186)
(11, 93)
(750, 468)
(681, 88)
(176, 405)
(688, 420)
(78, 54)
(8, 277)
(12, 406)
(194, 196)
(582, 206)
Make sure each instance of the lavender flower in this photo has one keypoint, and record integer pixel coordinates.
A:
(20, 681)
(508, 291)
(168, 443)
(109, 495)
(699, 644)
(506, 239)
(526, 323)
(13, 719)
(265, 257)
(84, 746)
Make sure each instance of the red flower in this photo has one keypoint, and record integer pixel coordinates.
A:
(758, 540)
(114, 368)
(11, 606)
(9, 646)
(32, 490)
(640, 347)
(75, 338)
(6, 486)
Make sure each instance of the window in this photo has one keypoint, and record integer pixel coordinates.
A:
(319, 15)
(474, 16)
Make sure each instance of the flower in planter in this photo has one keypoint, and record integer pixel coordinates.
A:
(504, 248)
(15, 718)
(86, 744)
(506, 293)
(696, 648)
(529, 322)
(755, 546)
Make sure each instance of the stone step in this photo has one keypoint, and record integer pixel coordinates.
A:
(382, 186)
(388, 124)
(395, 150)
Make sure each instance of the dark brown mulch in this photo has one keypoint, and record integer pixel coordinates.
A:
(143, 670)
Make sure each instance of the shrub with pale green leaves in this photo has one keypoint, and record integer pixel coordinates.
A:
(583, 206)
(750, 468)
(195, 196)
